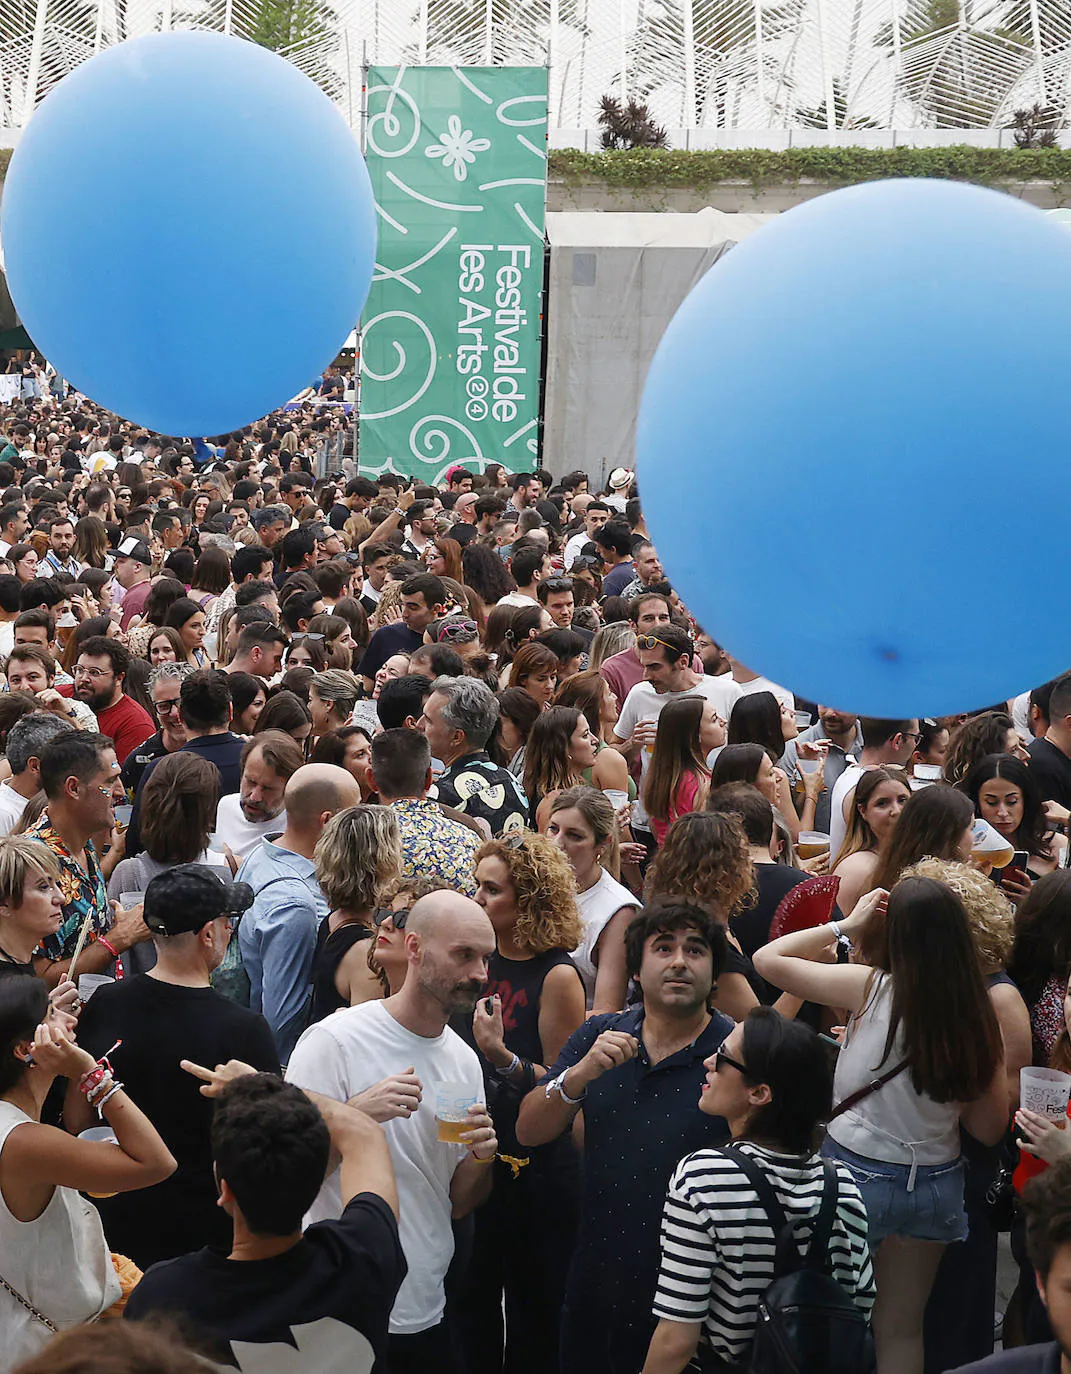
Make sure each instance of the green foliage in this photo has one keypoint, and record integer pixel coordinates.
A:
(663, 169)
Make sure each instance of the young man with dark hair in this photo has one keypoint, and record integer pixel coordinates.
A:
(326, 1292)
(528, 564)
(10, 589)
(596, 513)
(1050, 753)
(99, 678)
(298, 553)
(884, 741)
(60, 556)
(14, 524)
(299, 608)
(401, 701)
(259, 651)
(375, 560)
(614, 542)
(423, 600)
(421, 530)
(488, 513)
(641, 1116)
(78, 773)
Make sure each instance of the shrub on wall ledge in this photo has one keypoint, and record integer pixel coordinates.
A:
(666, 168)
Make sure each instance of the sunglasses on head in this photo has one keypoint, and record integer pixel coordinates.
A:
(651, 641)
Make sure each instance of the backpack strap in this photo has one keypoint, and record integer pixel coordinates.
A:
(768, 1199)
(818, 1252)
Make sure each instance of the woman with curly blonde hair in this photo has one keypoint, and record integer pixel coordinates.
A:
(358, 859)
(705, 862)
(533, 1002)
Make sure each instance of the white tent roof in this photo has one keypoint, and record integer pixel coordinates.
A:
(706, 228)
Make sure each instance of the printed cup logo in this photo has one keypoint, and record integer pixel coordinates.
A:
(1045, 1091)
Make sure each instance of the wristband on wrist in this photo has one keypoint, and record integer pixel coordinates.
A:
(115, 1088)
(92, 1079)
(99, 1090)
(505, 1070)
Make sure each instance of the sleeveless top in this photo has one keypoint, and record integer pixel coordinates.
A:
(598, 906)
(519, 982)
(896, 1124)
(633, 790)
(60, 1263)
(331, 948)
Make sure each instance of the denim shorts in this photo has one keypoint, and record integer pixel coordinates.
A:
(933, 1210)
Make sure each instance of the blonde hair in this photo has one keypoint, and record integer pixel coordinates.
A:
(337, 687)
(990, 916)
(389, 606)
(358, 857)
(20, 860)
(544, 888)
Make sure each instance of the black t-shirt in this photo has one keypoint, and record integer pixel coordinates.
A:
(340, 1280)
(160, 1024)
(139, 759)
(331, 948)
(1051, 770)
(752, 925)
(338, 515)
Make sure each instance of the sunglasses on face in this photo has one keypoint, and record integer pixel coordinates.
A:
(720, 1058)
(380, 914)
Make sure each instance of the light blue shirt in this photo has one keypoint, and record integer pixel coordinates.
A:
(277, 937)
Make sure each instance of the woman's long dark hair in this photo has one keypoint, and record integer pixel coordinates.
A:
(676, 751)
(1034, 834)
(939, 1000)
(985, 733)
(1042, 948)
(23, 1006)
(756, 719)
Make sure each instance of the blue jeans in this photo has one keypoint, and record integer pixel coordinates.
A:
(933, 1210)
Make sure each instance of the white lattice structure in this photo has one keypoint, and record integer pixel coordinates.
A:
(837, 65)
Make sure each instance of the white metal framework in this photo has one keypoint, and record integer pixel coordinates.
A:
(837, 65)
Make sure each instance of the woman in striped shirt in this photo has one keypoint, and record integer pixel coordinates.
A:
(772, 1082)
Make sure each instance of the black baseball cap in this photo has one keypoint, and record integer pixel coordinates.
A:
(136, 549)
(188, 896)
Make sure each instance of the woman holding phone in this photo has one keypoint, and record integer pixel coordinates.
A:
(1005, 794)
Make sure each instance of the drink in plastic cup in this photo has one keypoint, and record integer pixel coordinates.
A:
(811, 843)
(989, 848)
(104, 1133)
(89, 982)
(808, 765)
(803, 720)
(617, 797)
(1045, 1091)
(122, 815)
(452, 1103)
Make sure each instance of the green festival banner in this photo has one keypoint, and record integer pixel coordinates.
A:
(451, 332)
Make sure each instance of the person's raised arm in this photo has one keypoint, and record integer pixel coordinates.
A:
(798, 963)
(394, 521)
(545, 1113)
(44, 1154)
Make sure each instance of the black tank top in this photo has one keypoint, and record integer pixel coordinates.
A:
(331, 949)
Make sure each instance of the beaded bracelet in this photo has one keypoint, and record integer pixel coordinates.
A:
(116, 1087)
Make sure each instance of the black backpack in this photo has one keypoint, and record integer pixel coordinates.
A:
(807, 1323)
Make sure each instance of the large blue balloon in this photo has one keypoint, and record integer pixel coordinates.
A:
(854, 445)
(188, 230)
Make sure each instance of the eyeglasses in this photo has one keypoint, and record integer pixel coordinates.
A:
(380, 914)
(163, 708)
(295, 638)
(95, 673)
(720, 1058)
(916, 735)
(650, 641)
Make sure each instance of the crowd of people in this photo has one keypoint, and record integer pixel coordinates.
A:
(424, 948)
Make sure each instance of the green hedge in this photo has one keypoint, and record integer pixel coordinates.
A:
(654, 167)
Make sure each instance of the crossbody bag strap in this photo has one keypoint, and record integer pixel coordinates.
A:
(817, 1255)
(853, 1099)
(25, 1302)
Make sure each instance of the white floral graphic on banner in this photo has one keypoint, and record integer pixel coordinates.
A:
(457, 148)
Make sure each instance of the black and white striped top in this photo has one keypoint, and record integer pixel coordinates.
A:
(718, 1248)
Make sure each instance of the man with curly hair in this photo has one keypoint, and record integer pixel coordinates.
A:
(638, 1075)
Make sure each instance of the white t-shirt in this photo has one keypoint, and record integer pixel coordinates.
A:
(348, 1052)
(575, 548)
(243, 836)
(11, 808)
(598, 906)
(644, 703)
(517, 599)
(763, 684)
(845, 784)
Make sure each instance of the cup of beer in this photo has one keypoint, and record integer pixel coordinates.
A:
(452, 1103)
(811, 843)
(989, 848)
(1045, 1091)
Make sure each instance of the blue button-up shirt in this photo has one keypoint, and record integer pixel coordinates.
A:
(277, 937)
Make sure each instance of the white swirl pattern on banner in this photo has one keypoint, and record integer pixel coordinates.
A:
(400, 354)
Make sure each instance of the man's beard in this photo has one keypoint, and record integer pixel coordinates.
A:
(256, 812)
(454, 998)
(96, 701)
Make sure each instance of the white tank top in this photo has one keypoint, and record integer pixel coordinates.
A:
(598, 905)
(896, 1124)
(60, 1263)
